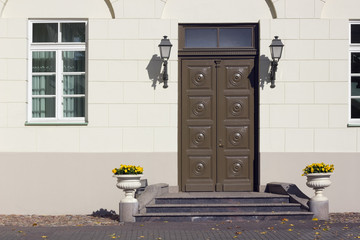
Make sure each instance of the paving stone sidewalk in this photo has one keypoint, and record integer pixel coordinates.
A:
(274, 229)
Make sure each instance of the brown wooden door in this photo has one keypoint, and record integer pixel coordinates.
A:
(217, 124)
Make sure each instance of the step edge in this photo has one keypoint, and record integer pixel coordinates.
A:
(224, 205)
(215, 214)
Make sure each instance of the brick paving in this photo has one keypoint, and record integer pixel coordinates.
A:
(275, 229)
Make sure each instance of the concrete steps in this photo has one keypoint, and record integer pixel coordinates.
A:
(191, 207)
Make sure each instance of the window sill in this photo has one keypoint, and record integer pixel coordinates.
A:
(56, 123)
(353, 125)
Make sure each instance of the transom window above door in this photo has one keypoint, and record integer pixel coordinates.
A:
(226, 36)
(57, 72)
(220, 39)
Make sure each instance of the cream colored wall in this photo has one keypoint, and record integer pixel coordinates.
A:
(343, 191)
(72, 183)
(54, 9)
(130, 121)
(209, 11)
(304, 119)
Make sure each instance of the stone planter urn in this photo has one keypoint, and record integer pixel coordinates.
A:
(319, 204)
(128, 206)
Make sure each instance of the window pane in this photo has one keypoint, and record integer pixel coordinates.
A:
(73, 32)
(74, 61)
(43, 62)
(74, 84)
(355, 86)
(201, 38)
(74, 107)
(355, 108)
(355, 33)
(43, 107)
(45, 32)
(43, 85)
(235, 37)
(355, 62)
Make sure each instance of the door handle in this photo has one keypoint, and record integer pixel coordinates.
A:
(220, 143)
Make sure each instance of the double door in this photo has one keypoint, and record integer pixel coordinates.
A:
(217, 124)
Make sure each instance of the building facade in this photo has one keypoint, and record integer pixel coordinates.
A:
(81, 93)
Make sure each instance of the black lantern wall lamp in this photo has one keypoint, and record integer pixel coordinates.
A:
(276, 48)
(165, 48)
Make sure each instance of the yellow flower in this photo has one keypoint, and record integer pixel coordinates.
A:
(114, 170)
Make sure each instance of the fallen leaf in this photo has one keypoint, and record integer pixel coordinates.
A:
(263, 233)
(44, 237)
(34, 224)
(315, 219)
(238, 233)
(291, 225)
(290, 230)
(285, 220)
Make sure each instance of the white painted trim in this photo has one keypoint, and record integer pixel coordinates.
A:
(353, 48)
(58, 48)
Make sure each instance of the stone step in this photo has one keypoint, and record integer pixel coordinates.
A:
(218, 198)
(249, 207)
(215, 206)
(222, 216)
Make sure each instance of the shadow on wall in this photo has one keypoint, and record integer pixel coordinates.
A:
(264, 71)
(154, 70)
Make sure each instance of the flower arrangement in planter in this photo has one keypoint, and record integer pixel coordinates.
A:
(128, 179)
(318, 168)
(128, 169)
(318, 178)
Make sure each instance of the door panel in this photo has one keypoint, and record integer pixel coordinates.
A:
(198, 125)
(217, 114)
(235, 125)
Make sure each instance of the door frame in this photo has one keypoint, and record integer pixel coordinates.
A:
(223, 53)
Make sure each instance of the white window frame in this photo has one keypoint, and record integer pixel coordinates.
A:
(353, 48)
(58, 48)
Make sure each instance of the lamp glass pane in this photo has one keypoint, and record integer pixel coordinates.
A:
(165, 51)
(276, 52)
